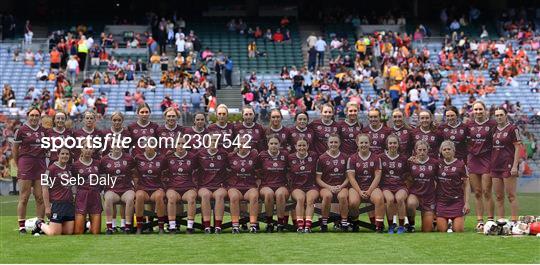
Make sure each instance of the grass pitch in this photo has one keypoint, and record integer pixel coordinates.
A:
(290, 247)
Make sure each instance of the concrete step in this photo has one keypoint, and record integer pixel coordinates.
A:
(230, 97)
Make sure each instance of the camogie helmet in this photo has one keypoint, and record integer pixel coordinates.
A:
(520, 228)
(30, 224)
(491, 228)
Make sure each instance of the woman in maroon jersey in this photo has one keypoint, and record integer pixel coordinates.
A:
(456, 131)
(277, 129)
(273, 187)
(322, 128)
(349, 129)
(403, 131)
(212, 182)
(394, 174)
(300, 130)
(30, 159)
(181, 167)
(505, 163)
(198, 128)
(120, 166)
(223, 128)
(452, 190)
(364, 174)
(89, 131)
(302, 175)
(170, 131)
(424, 170)
(87, 198)
(480, 134)
(331, 177)
(116, 133)
(58, 130)
(427, 131)
(58, 198)
(142, 128)
(249, 129)
(149, 183)
(377, 132)
(243, 184)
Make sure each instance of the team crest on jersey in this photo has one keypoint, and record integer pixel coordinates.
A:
(505, 134)
(109, 165)
(158, 164)
(143, 163)
(274, 164)
(302, 167)
(351, 135)
(282, 157)
(336, 169)
(81, 171)
(452, 137)
(478, 135)
(211, 165)
(188, 162)
(430, 167)
(391, 171)
(365, 172)
(413, 167)
(326, 135)
(421, 175)
(486, 128)
(497, 142)
(454, 169)
(172, 162)
(335, 162)
(235, 163)
(117, 171)
(180, 169)
(443, 174)
(343, 161)
(136, 131)
(242, 170)
(250, 162)
(150, 171)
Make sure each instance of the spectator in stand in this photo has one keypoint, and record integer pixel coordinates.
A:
(195, 100)
(128, 102)
(257, 33)
(268, 35)
(28, 34)
(180, 45)
(42, 75)
(55, 58)
(252, 49)
(94, 52)
(454, 26)
(320, 47)
(29, 58)
(278, 36)
(72, 68)
(82, 51)
(140, 66)
(228, 71)
(155, 60)
(312, 58)
(311, 40)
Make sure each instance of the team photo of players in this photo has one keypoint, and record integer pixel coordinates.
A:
(247, 169)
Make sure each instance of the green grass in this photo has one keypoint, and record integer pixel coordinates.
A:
(363, 247)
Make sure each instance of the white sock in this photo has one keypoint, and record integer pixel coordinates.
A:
(406, 220)
(190, 224)
(123, 223)
(394, 219)
(113, 223)
(172, 224)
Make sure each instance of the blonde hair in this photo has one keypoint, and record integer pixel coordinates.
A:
(449, 144)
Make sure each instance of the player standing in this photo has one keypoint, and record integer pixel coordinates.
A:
(377, 132)
(300, 130)
(427, 131)
(456, 131)
(403, 131)
(323, 128)
(349, 129)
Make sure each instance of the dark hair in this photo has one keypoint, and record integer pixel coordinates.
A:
(32, 109)
(142, 106)
(299, 113)
(454, 109)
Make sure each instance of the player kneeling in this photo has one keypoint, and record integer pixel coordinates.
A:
(452, 190)
(424, 171)
(364, 174)
(58, 199)
(331, 168)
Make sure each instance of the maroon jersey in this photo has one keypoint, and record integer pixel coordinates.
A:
(394, 172)
(256, 131)
(431, 137)
(181, 170)
(83, 133)
(457, 134)
(59, 192)
(502, 154)
(296, 134)
(406, 143)
(137, 131)
(321, 133)
(282, 134)
(348, 133)
(302, 171)
(273, 169)
(378, 138)
(364, 168)
(168, 136)
(195, 137)
(29, 140)
(212, 169)
(118, 140)
(150, 172)
(228, 130)
(89, 172)
(120, 168)
(64, 134)
(450, 181)
(423, 176)
(480, 136)
(242, 170)
(333, 169)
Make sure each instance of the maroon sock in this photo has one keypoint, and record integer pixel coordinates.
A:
(161, 222)
(269, 220)
(308, 223)
(139, 222)
(21, 223)
(372, 220)
(285, 219)
(299, 223)
(217, 223)
(206, 224)
(411, 220)
(401, 221)
(280, 220)
(389, 220)
(379, 224)
(109, 226)
(128, 227)
(295, 222)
